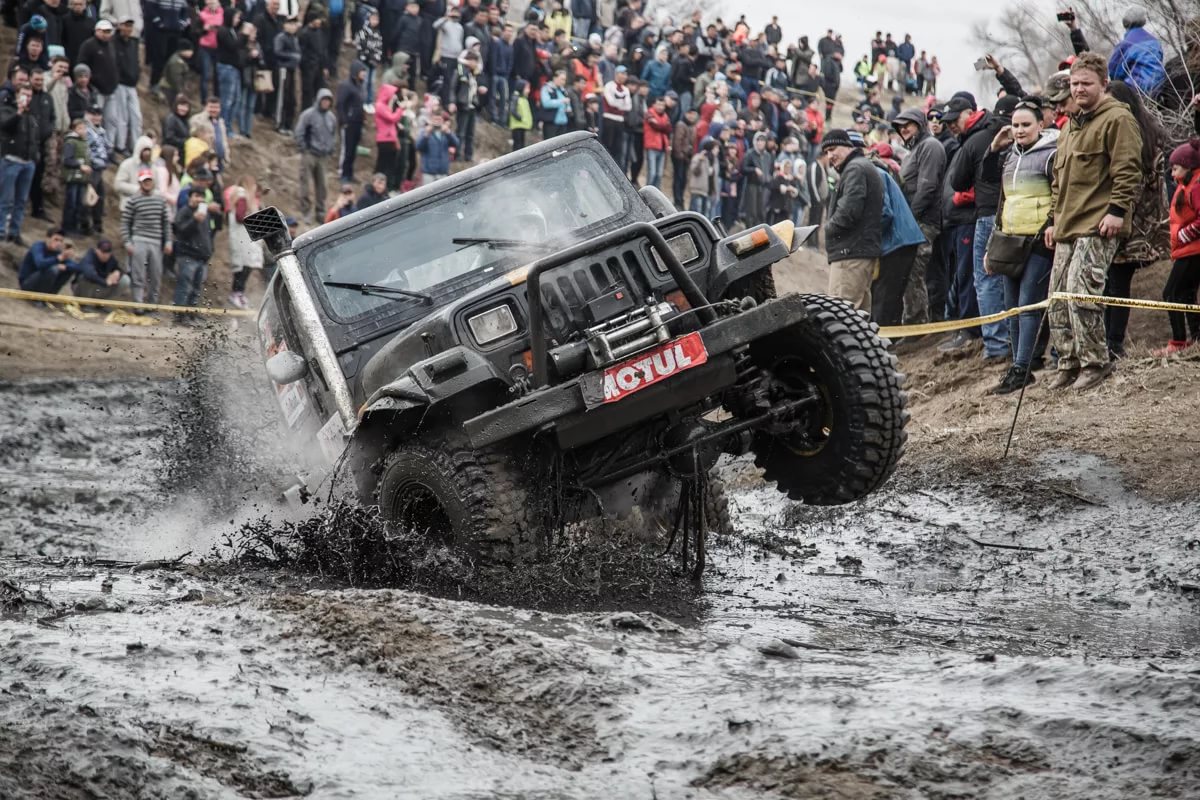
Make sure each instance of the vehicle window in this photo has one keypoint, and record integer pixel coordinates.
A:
(561, 199)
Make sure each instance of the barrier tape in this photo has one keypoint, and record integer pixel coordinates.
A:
(946, 326)
(66, 299)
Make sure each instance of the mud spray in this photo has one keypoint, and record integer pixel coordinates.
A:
(1016, 631)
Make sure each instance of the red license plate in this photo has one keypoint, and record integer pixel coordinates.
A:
(652, 366)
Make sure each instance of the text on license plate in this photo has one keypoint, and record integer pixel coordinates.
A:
(652, 366)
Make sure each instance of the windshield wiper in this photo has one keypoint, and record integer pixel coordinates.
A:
(500, 243)
(377, 289)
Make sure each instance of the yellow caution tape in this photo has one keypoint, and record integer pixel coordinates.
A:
(67, 299)
(898, 331)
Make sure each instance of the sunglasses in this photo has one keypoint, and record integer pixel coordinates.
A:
(1029, 105)
(934, 116)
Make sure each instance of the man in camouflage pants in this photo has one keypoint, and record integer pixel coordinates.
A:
(1096, 181)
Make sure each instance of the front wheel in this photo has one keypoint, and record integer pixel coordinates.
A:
(847, 442)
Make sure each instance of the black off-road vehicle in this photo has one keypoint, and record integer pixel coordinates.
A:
(533, 341)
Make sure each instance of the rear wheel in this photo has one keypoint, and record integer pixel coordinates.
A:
(462, 498)
(846, 444)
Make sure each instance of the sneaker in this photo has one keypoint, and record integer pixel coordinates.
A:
(1174, 346)
(368, 108)
(238, 300)
(959, 341)
(1013, 380)
(1064, 378)
(18, 241)
(1090, 376)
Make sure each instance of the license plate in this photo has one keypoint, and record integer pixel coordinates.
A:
(652, 366)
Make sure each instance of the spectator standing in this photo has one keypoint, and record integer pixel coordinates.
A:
(1138, 57)
(269, 24)
(287, 55)
(349, 107)
(20, 144)
(435, 143)
(98, 275)
(99, 152)
(169, 19)
(450, 43)
(146, 229)
(702, 178)
(220, 133)
(1017, 251)
(167, 170)
(1184, 280)
(251, 59)
(635, 129)
(368, 45)
(126, 183)
(316, 136)
(336, 26)
(123, 9)
(82, 95)
(100, 56)
(176, 72)
(314, 54)
(193, 249)
(616, 103)
(241, 200)
(905, 52)
(901, 236)
(656, 140)
(921, 175)
(211, 19)
(759, 168)
(772, 32)
(230, 61)
(958, 213)
(657, 73)
(831, 80)
(500, 68)
(41, 106)
(77, 28)
(389, 110)
(731, 179)
(175, 126)
(123, 111)
(76, 169)
(465, 92)
(47, 265)
(1097, 175)
(520, 117)
(683, 147)
(853, 232)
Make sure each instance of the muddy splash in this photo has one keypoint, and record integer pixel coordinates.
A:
(1028, 631)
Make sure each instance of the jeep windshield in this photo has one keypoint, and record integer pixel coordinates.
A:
(441, 248)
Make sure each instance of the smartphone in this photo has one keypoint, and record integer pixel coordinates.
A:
(1065, 16)
(981, 64)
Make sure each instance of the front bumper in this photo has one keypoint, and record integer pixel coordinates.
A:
(562, 405)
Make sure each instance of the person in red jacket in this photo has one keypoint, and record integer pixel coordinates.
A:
(389, 110)
(656, 140)
(1184, 280)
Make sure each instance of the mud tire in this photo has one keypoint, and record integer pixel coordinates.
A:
(468, 499)
(865, 407)
(716, 506)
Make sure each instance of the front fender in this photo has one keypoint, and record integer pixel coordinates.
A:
(728, 267)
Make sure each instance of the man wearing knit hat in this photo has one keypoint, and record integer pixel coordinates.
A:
(854, 230)
(1097, 179)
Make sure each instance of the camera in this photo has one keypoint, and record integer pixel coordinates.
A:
(1065, 16)
(981, 64)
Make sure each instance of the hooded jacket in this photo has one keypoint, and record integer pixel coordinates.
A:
(966, 171)
(316, 130)
(350, 98)
(898, 226)
(126, 182)
(387, 117)
(1138, 60)
(922, 171)
(1025, 186)
(854, 227)
(1097, 170)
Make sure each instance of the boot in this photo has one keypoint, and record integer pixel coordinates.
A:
(1014, 379)
(1091, 376)
(1173, 346)
(1064, 378)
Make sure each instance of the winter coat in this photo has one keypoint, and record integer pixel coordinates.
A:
(1097, 170)
(1025, 186)
(464, 87)
(407, 36)
(39, 258)
(243, 252)
(387, 117)
(128, 60)
(554, 99)
(500, 59)
(286, 51)
(101, 58)
(899, 227)
(117, 9)
(966, 172)
(683, 141)
(658, 75)
(922, 171)
(1185, 217)
(77, 29)
(701, 176)
(314, 48)
(758, 160)
(450, 38)
(75, 155)
(1138, 60)
(41, 105)
(656, 130)
(171, 16)
(166, 181)
(350, 97)
(175, 131)
(175, 74)
(99, 146)
(525, 60)
(269, 29)
(521, 118)
(193, 237)
(125, 184)
(316, 130)
(368, 45)
(853, 228)
(435, 151)
(19, 135)
(1149, 239)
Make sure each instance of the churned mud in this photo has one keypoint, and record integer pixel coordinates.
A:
(1020, 629)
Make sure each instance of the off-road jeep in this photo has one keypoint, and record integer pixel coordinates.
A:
(533, 341)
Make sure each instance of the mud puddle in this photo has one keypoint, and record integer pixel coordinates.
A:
(1023, 635)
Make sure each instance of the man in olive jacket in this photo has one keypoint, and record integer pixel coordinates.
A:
(854, 230)
(1096, 181)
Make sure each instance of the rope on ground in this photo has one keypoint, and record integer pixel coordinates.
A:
(67, 299)
(946, 326)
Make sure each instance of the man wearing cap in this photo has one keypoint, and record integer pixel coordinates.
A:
(958, 229)
(616, 103)
(100, 56)
(123, 10)
(1097, 179)
(146, 230)
(967, 175)
(854, 228)
(1058, 93)
(98, 275)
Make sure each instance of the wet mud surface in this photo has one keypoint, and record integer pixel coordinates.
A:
(1022, 631)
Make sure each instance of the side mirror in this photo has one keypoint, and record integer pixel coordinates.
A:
(802, 235)
(286, 367)
(658, 202)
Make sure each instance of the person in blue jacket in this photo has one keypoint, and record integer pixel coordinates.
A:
(99, 275)
(1138, 57)
(554, 108)
(435, 144)
(657, 73)
(47, 265)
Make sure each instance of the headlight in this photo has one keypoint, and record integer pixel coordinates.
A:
(684, 248)
(492, 324)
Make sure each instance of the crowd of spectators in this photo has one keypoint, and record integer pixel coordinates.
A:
(931, 208)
